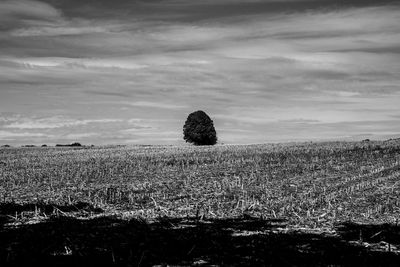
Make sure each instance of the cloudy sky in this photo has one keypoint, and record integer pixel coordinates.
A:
(129, 72)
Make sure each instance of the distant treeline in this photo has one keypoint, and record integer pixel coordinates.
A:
(58, 145)
(69, 145)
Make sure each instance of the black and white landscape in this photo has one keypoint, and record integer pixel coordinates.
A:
(199, 133)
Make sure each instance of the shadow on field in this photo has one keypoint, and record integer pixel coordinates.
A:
(108, 241)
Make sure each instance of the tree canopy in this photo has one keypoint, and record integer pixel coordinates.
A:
(199, 129)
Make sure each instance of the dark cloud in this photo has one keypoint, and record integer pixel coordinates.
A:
(393, 49)
(190, 11)
(107, 94)
(327, 75)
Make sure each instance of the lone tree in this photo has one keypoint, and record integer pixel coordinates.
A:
(199, 129)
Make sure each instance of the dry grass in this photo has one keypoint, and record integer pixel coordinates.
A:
(312, 185)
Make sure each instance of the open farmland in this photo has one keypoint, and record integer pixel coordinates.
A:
(308, 187)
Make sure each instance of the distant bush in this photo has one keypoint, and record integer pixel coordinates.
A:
(29, 146)
(70, 145)
(5, 146)
(76, 144)
(44, 145)
(199, 129)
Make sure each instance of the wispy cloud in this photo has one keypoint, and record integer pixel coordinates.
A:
(158, 105)
(27, 9)
(53, 122)
(10, 136)
(79, 136)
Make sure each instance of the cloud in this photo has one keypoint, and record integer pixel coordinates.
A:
(53, 122)
(6, 135)
(27, 9)
(79, 136)
(17, 14)
(57, 30)
(82, 63)
(158, 105)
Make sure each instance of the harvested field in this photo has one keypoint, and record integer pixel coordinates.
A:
(331, 203)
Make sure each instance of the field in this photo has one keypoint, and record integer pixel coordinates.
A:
(313, 200)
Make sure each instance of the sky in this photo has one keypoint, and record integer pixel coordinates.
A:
(130, 72)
